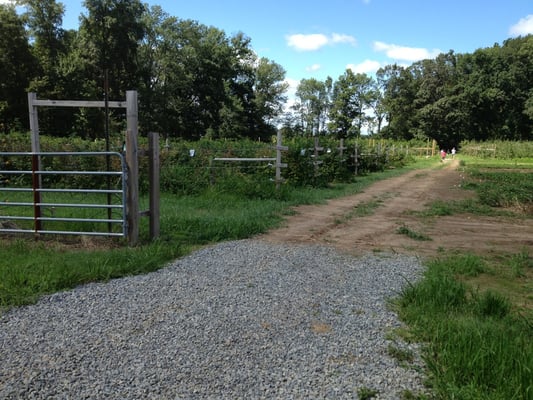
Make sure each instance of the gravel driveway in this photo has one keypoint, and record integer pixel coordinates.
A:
(239, 320)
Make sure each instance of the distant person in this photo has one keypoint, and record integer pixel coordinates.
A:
(442, 155)
(453, 152)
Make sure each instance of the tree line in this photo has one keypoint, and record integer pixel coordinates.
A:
(486, 95)
(196, 81)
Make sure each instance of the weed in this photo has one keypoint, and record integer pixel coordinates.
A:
(519, 263)
(366, 393)
(366, 208)
(401, 355)
(363, 209)
(408, 395)
(491, 304)
(462, 264)
(404, 230)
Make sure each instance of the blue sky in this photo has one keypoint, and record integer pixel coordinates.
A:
(316, 39)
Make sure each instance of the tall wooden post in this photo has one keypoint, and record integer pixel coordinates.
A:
(132, 162)
(279, 164)
(153, 148)
(36, 160)
(356, 158)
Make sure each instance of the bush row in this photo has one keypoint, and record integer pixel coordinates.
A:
(190, 167)
(497, 149)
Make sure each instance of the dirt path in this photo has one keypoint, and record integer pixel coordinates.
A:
(389, 203)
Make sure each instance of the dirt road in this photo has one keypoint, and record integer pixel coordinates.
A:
(390, 203)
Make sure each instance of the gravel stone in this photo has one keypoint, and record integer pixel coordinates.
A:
(238, 320)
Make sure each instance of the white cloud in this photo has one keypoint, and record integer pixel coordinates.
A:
(405, 53)
(314, 67)
(7, 2)
(522, 27)
(367, 66)
(316, 41)
(341, 38)
(307, 42)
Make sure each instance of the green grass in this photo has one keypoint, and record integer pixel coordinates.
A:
(474, 313)
(29, 269)
(477, 348)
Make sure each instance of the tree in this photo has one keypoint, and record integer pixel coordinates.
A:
(352, 93)
(17, 67)
(270, 88)
(112, 30)
(44, 20)
(438, 108)
(376, 106)
(400, 88)
(312, 105)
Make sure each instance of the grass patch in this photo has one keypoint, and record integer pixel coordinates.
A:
(469, 206)
(404, 230)
(504, 189)
(501, 183)
(29, 269)
(363, 209)
(479, 346)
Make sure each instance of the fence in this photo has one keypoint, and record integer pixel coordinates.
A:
(277, 160)
(29, 194)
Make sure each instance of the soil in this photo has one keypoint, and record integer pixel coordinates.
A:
(395, 202)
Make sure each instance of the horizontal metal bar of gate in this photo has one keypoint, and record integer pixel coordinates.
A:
(37, 205)
(20, 204)
(60, 190)
(60, 173)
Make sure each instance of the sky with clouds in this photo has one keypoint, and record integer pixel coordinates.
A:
(317, 39)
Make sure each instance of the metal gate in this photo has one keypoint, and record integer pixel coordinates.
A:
(37, 203)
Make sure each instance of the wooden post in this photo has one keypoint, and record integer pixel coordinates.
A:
(132, 162)
(36, 159)
(356, 158)
(279, 165)
(341, 148)
(153, 145)
(34, 123)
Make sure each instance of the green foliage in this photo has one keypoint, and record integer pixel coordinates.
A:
(16, 69)
(187, 221)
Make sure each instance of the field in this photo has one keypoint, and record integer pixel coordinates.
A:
(468, 219)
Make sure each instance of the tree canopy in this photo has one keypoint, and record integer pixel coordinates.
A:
(195, 80)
